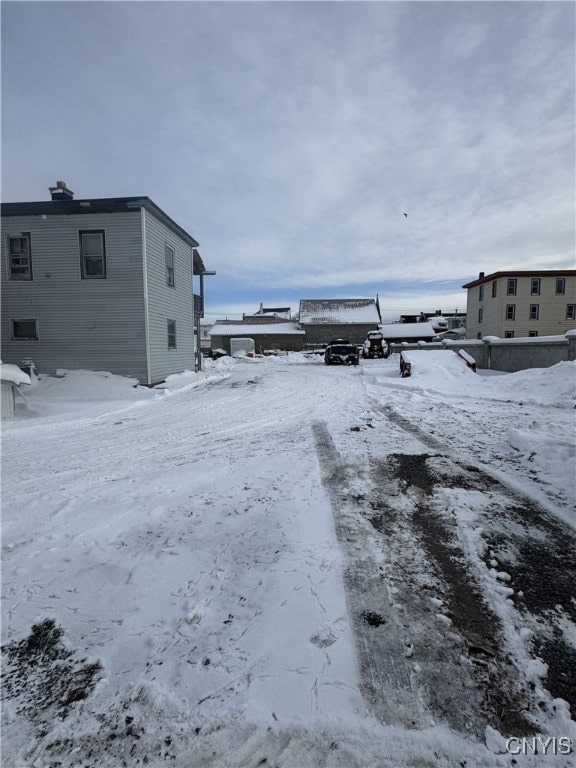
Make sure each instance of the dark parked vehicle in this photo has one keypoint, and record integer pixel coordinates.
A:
(375, 345)
(341, 352)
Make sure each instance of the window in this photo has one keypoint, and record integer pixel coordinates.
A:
(92, 254)
(535, 286)
(171, 334)
(509, 335)
(480, 314)
(481, 293)
(560, 286)
(19, 257)
(570, 311)
(511, 286)
(534, 311)
(24, 330)
(532, 334)
(494, 288)
(169, 256)
(510, 311)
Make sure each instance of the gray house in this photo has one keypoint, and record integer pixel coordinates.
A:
(101, 284)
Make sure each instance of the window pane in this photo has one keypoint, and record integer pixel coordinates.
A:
(92, 249)
(171, 334)
(92, 245)
(93, 266)
(19, 262)
(560, 285)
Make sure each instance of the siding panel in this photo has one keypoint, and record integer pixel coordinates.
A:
(169, 302)
(96, 324)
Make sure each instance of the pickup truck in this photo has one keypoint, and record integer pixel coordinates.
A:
(341, 352)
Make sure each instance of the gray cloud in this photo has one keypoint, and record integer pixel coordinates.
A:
(289, 138)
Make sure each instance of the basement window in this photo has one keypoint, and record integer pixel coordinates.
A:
(24, 330)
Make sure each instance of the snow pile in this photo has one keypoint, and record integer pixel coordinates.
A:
(13, 374)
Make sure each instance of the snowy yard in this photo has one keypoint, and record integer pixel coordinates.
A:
(278, 563)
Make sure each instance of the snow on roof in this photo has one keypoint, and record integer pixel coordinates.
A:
(12, 373)
(256, 329)
(334, 311)
(407, 330)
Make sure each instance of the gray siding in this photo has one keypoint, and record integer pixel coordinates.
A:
(168, 303)
(83, 323)
(320, 333)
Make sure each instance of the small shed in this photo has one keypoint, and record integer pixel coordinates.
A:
(11, 377)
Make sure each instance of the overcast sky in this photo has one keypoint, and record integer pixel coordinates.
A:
(289, 138)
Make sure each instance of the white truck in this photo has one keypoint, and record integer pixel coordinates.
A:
(242, 347)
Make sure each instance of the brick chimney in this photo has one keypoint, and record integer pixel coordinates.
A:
(61, 191)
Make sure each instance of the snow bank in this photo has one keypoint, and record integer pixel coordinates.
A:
(12, 373)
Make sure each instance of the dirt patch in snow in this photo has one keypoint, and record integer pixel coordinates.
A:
(43, 678)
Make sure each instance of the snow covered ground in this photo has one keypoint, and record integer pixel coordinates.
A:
(277, 563)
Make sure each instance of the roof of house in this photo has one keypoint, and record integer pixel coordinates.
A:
(97, 205)
(255, 329)
(407, 331)
(522, 273)
(338, 311)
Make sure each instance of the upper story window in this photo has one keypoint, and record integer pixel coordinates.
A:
(560, 286)
(511, 284)
(510, 311)
(480, 315)
(535, 286)
(570, 311)
(481, 293)
(19, 257)
(534, 311)
(24, 329)
(171, 325)
(92, 253)
(169, 256)
(494, 288)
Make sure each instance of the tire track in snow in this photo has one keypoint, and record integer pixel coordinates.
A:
(386, 678)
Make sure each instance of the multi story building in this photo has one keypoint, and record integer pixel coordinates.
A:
(104, 284)
(521, 304)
